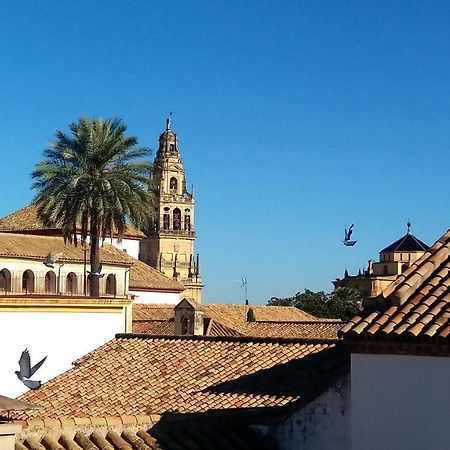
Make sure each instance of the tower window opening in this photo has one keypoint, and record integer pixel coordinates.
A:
(173, 184)
(385, 270)
(166, 221)
(176, 219)
(187, 222)
(404, 267)
(184, 325)
(172, 147)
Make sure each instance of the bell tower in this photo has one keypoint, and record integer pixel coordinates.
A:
(169, 245)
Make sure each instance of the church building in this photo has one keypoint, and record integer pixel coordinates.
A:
(169, 245)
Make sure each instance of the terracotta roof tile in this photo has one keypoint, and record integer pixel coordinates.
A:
(26, 219)
(416, 306)
(143, 277)
(229, 320)
(15, 245)
(136, 374)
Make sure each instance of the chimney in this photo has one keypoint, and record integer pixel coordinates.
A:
(8, 433)
(370, 266)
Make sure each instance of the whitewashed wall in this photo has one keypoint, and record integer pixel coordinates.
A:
(61, 336)
(400, 402)
(145, 297)
(130, 246)
(321, 425)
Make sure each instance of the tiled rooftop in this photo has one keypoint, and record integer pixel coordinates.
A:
(26, 219)
(143, 277)
(229, 320)
(138, 374)
(169, 432)
(415, 308)
(38, 247)
(407, 243)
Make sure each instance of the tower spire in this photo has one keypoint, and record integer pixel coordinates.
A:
(169, 121)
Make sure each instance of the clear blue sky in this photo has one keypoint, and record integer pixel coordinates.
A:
(295, 118)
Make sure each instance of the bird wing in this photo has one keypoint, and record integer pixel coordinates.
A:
(24, 364)
(36, 367)
(32, 384)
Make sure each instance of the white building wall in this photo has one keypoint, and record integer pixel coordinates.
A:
(321, 425)
(400, 402)
(129, 246)
(62, 336)
(145, 297)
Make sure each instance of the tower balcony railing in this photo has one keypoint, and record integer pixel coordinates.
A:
(161, 231)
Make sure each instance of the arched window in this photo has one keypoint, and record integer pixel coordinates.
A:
(187, 222)
(173, 184)
(71, 283)
(166, 221)
(28, 282)
(5, 281)
(177, 219)
(172, 148)
(111, 285)
(184, 325)
(404, 267)
(50, 282)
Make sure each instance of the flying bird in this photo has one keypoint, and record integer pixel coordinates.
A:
(348, 234)
(25, 371)
(98, 273)
(51, 259)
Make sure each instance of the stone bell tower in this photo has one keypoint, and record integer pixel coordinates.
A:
(169, 245)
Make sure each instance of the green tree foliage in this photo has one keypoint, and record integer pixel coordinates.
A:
(343, 303)
(90, 182)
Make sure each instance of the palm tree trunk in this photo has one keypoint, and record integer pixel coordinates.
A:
(94, 281)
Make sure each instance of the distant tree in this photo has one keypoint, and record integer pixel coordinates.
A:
(92, 181)
(251, 315)
(342, 303)
(275, 301)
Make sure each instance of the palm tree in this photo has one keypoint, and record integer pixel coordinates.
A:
(90, 182)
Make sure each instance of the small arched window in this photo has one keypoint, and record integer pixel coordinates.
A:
(28, 282)
(404, 267)
(172, 147)
(111, 285)
(187, 222)
(71, 283)
(166, 221)
(50, 282)
(5, 281)
(173, 184)
(177, 219)
(184, 325)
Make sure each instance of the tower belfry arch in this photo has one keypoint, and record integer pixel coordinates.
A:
(169, 245)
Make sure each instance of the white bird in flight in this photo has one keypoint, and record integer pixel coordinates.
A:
(25, 371)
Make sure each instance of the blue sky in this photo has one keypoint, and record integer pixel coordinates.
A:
(295, 118)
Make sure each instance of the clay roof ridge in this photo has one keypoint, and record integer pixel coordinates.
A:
(300, 322)
(107, 420)
(238, 339)
(441, 248)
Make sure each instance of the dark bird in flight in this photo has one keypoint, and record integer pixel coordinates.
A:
(98, 273)
(25, 371)
(348, 234)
